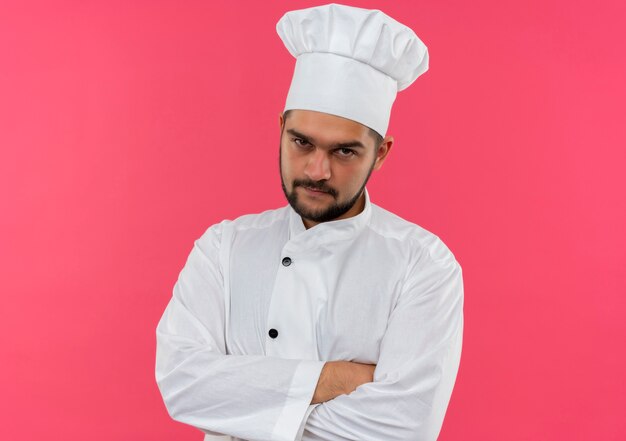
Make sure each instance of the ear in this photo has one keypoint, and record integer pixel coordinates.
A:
(281, 121)
(383, 150)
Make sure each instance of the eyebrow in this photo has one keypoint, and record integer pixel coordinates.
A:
(338, 145)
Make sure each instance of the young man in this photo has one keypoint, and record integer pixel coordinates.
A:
(330, 318)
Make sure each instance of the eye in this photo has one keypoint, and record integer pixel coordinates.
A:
(301, 142)
(345, 152)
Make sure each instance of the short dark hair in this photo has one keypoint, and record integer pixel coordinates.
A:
(378, 138)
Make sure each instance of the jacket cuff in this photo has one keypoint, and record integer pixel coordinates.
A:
(296, 408)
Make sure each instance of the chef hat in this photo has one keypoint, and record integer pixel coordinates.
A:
(350, 62)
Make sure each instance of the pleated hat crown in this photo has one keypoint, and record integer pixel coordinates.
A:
(350, 62)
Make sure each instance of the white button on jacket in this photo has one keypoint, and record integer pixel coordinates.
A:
(372, 288)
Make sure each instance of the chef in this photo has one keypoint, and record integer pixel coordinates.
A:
(330, 318)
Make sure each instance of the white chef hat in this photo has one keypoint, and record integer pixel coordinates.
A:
(350, 62)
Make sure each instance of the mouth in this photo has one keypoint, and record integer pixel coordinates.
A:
(315, 191)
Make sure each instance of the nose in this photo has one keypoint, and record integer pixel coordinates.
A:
(318, 166)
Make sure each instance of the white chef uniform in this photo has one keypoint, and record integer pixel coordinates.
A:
(372, 288)
(262, 302)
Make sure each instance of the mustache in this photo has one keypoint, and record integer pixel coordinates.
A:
(316, 185)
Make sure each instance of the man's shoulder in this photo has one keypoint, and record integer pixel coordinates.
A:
(259, 221)
(411, 235)
(391, 225)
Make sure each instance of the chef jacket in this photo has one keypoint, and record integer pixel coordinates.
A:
(262, 302)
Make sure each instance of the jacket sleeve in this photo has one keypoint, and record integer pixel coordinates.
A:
(418, 362)
(249, 397)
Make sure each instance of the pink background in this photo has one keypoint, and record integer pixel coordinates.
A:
(127, 128)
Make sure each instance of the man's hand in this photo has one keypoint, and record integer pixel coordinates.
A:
(341, 377)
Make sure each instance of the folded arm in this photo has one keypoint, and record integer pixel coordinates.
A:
(250, 397)
(417, 366)
(341, 377)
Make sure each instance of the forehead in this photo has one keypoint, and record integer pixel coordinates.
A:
(326, 128)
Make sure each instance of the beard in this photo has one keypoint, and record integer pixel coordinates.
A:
(333, 211)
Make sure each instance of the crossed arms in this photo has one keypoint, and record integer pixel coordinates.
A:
(254, 397)
(341, 377)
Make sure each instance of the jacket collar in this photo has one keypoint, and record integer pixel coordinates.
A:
(328, 231)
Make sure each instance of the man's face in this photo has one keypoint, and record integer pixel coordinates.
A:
(325, 162)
